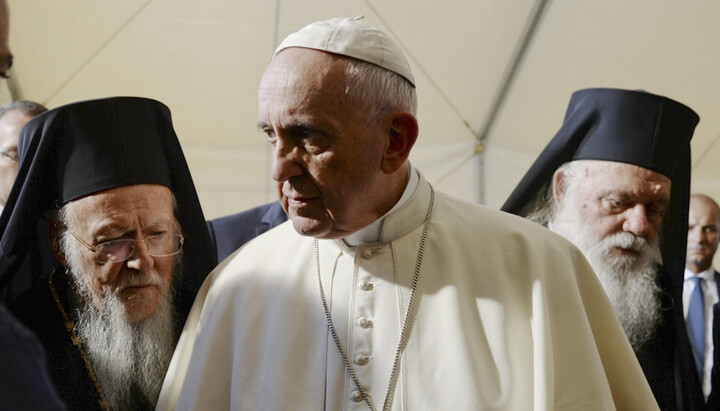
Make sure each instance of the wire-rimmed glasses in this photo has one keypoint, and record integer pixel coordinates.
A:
(115, 251)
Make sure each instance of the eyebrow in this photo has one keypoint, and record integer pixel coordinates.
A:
(158, 225)
(313, 125)
(631, 196)
(112, 225)
(116, 228)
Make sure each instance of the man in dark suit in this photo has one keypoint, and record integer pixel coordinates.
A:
(231, 232)
(701, 281)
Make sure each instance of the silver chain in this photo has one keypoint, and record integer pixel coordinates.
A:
(403, 332)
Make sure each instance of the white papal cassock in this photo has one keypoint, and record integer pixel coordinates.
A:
(508, 316)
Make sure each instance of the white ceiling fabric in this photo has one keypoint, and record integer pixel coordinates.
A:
(204, 59)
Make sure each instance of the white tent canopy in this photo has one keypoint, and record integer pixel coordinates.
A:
(204, 59)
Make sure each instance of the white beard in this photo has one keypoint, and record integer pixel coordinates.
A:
(629, 281)
(128, 359)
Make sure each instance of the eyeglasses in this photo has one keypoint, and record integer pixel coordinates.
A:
(115, 251)
(12, 155)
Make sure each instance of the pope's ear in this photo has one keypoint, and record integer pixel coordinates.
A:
(402, 132)
(56, 231)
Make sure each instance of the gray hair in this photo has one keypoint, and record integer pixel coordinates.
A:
(27, 107)
(543, 207)
(378, 90)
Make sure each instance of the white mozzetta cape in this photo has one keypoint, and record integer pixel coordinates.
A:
(508, 316)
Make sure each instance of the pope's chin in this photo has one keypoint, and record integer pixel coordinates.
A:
(310, 226)
(140, 302)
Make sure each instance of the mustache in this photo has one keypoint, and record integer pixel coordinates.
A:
(643, 251)
(128, 281)
(626, 241)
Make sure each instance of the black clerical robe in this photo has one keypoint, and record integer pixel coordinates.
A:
(667, 361)
(38, 310)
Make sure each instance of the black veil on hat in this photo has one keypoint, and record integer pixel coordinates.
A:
(86, 147)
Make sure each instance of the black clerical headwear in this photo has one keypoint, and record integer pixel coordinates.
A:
(654, 132)
(86, 147)
(633, 127)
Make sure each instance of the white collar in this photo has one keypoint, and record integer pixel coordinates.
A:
(707, 275)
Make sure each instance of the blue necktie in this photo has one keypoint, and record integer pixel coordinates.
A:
(696, 325)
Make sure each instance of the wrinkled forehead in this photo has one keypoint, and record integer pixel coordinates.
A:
(623, 176)
(149, 203)
(301, 82)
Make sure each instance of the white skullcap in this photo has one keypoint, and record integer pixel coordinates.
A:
(352, 38)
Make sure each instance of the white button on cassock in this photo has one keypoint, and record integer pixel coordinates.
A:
(361, 359)
(356, 396)
(365, 285)
(364, 322)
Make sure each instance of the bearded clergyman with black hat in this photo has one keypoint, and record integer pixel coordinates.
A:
(107, 232)
(615, 181)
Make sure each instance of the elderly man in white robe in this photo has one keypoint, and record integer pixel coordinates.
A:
(380, 292)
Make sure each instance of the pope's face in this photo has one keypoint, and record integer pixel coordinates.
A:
(129, 212)
(326, 155)
(703, 238)
(612, 197)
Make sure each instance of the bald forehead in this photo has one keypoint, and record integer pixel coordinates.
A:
(606, 170)
(120, 205)
(15, 113)
(11, 122)
(599, 178)
(700, 202)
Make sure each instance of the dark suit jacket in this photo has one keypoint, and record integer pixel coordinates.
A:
(24, 378)
(230, 232)
(666, 359)
(713, 402)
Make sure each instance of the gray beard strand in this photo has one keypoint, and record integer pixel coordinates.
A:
(126, 358)
(629, 282)
(636, 300)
